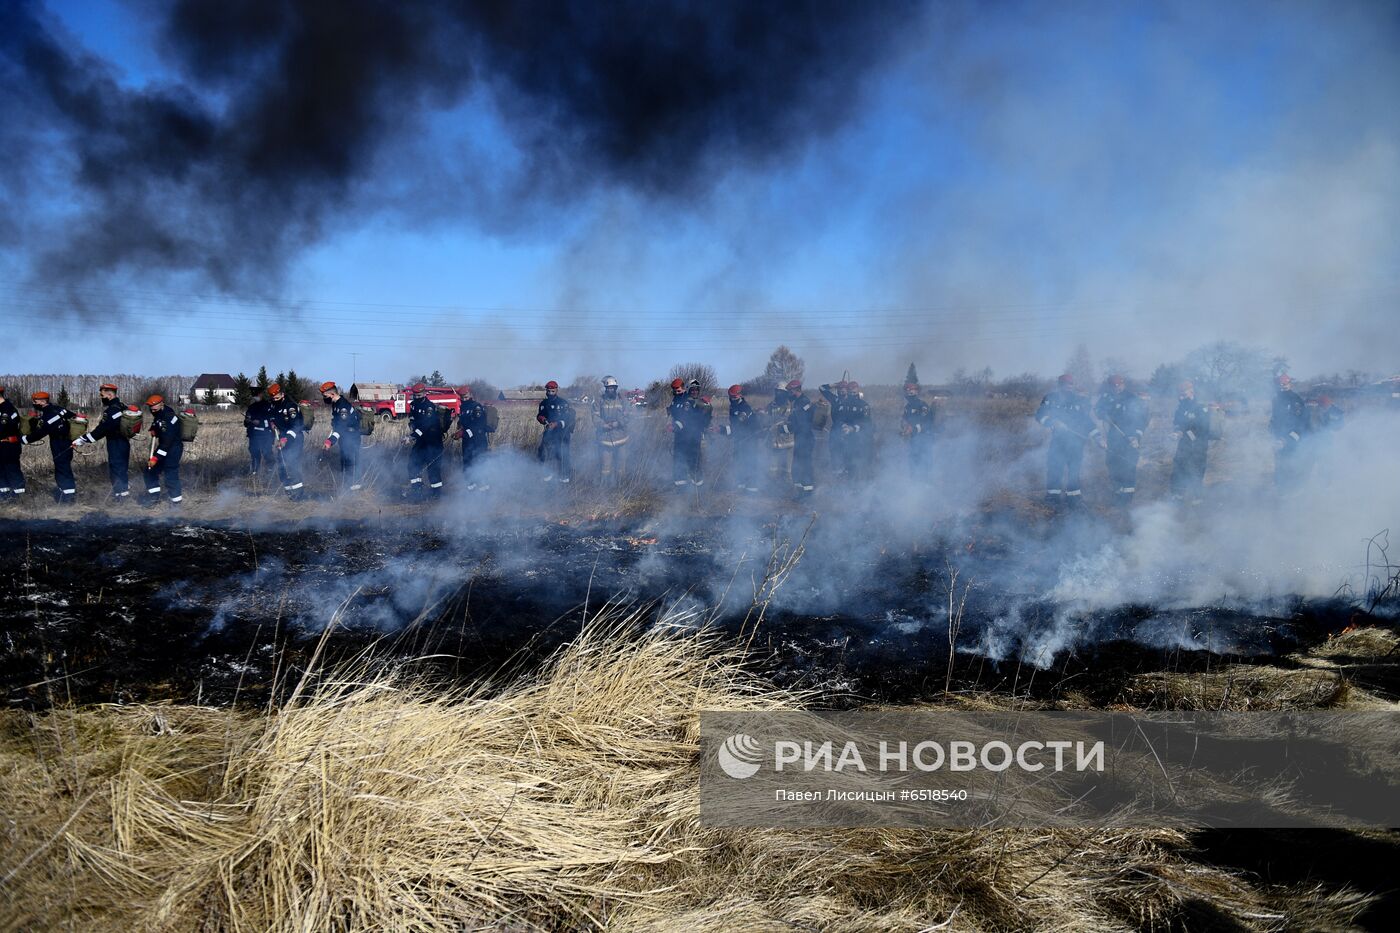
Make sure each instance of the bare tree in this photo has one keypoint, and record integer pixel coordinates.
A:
(700, 372)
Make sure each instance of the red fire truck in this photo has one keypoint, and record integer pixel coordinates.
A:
(390, 402)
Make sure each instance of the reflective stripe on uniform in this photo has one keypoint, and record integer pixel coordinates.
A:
(177, 499)
(435, 485)
(160, 453)
(296, 486)
(153, 491)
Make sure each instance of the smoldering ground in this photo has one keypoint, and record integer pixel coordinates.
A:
(866, 588)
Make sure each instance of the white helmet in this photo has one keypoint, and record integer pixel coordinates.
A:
(609, 381)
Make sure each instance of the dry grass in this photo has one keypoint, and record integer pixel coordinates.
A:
(567, 800)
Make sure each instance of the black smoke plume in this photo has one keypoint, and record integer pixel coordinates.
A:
(276, 123)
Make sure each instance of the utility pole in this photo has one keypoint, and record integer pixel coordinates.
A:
(354, 364)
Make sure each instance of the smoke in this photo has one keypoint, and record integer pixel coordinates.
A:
(279, 119)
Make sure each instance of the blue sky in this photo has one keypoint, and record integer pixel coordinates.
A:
(1017, 179)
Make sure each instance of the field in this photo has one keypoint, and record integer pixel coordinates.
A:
(359, 713)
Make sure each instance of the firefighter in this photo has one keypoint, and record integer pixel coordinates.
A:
(610, 426)
(345, 435)
(257, 424)
(557, 416)
(163, 466)
(1330, 417)
(52, 423)
(1123, 416)
(804, 438)
(744, 426)
(1066, 413)
(1192, 431)
(916, 425)
(838, 446)
(118, 445)
(474, 431)
(778, 413)
(11, 476)
(859, 432)
(286, 418)
(1289, 423)
(425, 431)
(690, 418)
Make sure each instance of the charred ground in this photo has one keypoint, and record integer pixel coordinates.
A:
(103, 610)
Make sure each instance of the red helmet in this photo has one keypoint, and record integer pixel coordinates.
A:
(1284, 380)
(275, 389)
(911, 387)
(418, 388)
(736, 391)
(1117, 381)
(1066, 380)
(677, 384)
(551, 384)
(794, 385)
(465, 391)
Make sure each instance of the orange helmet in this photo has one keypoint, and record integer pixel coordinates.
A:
(275, 389)
(736, 391)
(677, 385)
(794, 385)
(40, 396)
(155, 400)
(110, 387)
(327, 387)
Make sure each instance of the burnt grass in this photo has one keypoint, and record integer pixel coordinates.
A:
(216, 613)
(118, 611)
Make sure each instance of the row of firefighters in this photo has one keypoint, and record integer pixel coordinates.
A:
(788, 426)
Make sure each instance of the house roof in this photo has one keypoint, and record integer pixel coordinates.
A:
(213, 381)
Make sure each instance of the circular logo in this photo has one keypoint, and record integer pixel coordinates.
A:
(739, 756)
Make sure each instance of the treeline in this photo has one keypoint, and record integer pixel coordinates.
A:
(79, 390)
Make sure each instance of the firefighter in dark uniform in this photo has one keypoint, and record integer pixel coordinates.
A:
(804, 439)
(257, 424)
(744, 426)
(838, 446)
(916, 425)
(610, 426)
(859, 432)
(557, 416)
(118, 444)
(345, 435)
(1330, 417)
(1191, 427)
(475, 434)
(425, 431)
(287, 419)
(690, 418)
(163, 466)
(11, 476)
(1288, 424)
(1066, 413)
(777, 412)
(52, 423)
(1124, 420)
